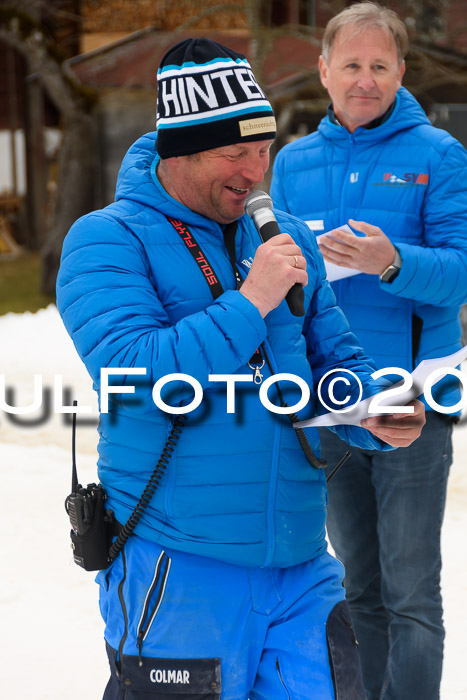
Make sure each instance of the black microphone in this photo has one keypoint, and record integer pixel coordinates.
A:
(259, 207)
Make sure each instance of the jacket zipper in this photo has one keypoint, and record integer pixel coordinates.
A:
(345, 184)
(278, 669)
(171, 477)
(271, 502)
(160, 579)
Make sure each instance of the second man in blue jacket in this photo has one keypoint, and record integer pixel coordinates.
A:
(378, 164)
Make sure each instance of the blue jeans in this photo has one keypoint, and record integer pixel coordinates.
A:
(384, 522)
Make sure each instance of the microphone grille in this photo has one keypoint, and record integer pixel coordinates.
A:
(257, 200)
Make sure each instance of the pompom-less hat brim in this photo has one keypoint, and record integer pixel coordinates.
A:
(208, 97)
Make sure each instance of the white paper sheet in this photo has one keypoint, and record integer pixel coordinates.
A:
(419, 377)
(336, 272)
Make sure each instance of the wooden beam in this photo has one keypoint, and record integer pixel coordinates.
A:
(35, 161)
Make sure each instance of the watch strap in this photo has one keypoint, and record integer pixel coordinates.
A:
(392, 270)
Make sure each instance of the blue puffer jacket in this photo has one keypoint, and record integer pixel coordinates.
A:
(237, 486)
(408, 178)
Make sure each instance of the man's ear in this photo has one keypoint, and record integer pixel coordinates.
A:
(323, 71)
(401, 72)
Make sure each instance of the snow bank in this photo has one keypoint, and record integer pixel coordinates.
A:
(51, 642)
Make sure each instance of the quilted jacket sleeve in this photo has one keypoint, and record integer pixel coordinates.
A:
(111, 309)
(437, 274)
(331, 345)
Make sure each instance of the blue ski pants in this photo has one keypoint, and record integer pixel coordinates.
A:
(182, 626)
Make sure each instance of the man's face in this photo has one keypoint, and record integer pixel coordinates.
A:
(362, 76)
(216, 183)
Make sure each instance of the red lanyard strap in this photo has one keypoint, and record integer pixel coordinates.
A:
(198, 255)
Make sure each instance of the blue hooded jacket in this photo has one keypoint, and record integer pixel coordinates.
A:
(409, 178)
(237, 486)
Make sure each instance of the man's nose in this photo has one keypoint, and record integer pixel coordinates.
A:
(254, 168)
(366, 81)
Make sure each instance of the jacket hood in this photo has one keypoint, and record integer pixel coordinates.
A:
(134, 179)
(137, 181)
(406, 114)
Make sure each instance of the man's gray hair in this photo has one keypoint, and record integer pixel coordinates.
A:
(366, 15)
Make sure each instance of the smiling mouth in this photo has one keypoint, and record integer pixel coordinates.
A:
(238, 190)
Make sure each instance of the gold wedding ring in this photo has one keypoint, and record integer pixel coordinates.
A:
(296, 260)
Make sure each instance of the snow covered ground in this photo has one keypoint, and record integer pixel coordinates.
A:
(51, 635)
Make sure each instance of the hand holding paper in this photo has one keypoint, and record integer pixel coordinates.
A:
(398, 429)
(335, 272)
(371, 253)
(399, 395)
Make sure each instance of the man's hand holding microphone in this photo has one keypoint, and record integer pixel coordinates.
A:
(279, 267)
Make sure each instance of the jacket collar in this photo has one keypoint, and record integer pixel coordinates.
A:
(371, 125)
(405, 113)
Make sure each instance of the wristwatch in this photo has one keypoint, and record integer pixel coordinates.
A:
(392, 270)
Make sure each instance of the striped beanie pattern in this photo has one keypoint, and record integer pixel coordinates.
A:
(208, 97)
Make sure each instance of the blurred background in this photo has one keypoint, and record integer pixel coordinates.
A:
(77, 87)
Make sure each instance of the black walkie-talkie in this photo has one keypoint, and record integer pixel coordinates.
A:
(91, 523)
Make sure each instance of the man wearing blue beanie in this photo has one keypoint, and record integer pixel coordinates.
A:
(225, 588)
